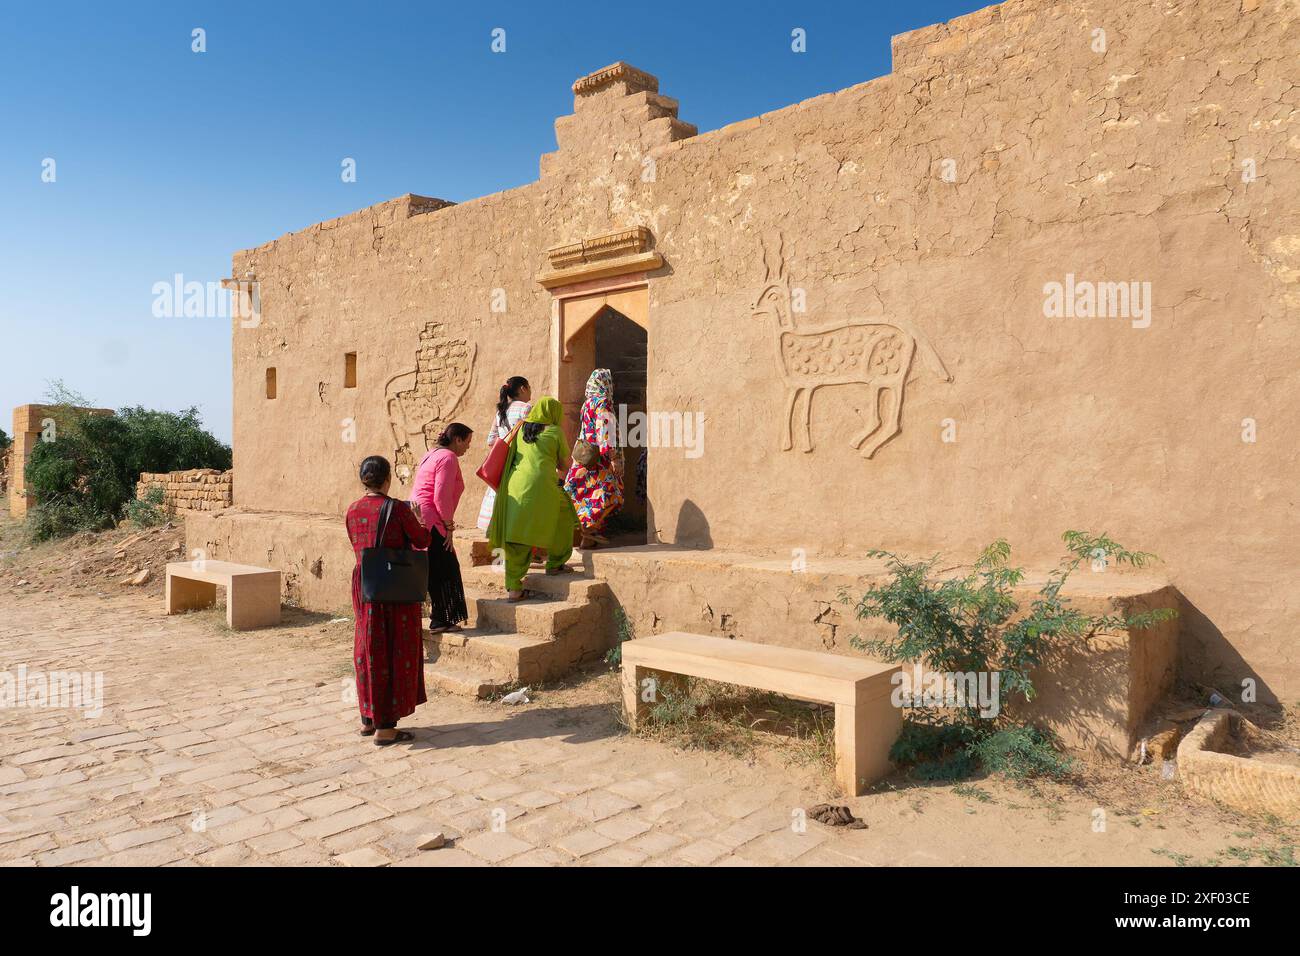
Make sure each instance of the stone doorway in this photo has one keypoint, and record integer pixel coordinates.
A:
(609, 331)
(600, 318)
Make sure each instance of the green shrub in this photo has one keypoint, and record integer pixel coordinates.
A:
(677, 702)
(1021, 753)
(148, 511)
(973, 624)
(84, 479)
(63, 516)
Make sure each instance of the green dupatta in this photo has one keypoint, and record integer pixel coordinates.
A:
(546, 411)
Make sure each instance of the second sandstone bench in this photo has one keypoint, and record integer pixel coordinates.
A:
(252, 593)
(866, 722)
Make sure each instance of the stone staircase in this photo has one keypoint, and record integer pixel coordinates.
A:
(567, 623)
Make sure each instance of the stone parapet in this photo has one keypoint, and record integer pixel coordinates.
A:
(202, 489)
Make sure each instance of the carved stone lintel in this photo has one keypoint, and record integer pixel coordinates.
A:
(611, 245)
(635, 79)
(615, 253)
(602, 269)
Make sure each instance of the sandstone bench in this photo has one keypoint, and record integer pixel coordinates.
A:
(252, 594)
(866, 722)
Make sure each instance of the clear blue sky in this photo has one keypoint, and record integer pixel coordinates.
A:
(167, 161)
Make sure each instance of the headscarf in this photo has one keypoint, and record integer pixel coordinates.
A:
(598, 410)
(600, 387)
(546, 411)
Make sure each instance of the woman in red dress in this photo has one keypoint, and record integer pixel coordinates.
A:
(388, 645)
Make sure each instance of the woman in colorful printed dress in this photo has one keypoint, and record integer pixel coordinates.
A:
(435, 493)
(597, 488)
(514, 403)
(532, 510)
(388, 643)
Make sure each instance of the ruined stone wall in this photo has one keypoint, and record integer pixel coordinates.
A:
(912, 225)
(200, 489)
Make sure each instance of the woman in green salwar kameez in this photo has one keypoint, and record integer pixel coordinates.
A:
(532, 509)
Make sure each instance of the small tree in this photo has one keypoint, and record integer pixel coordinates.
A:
(84, 478)
(973, 624)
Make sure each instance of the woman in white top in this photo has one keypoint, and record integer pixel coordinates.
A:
(514, 404)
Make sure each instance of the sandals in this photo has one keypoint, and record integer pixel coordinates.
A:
(403, 736)
(562, 569)
(446, 629)
(367, 728)
(524, 595)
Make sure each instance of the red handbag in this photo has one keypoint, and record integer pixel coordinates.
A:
(495, 464)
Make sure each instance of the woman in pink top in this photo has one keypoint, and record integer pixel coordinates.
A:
(435, 495)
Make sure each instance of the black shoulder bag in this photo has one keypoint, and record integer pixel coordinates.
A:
(393, 575)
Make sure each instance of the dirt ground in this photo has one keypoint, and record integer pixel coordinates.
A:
(89, 562)
(254, 733)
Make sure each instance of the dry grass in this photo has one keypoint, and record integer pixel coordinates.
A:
(696, 714)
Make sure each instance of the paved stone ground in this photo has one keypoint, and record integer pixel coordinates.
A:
(225, 748)
(219, 748)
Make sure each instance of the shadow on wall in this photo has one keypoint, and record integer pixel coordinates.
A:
(1081, 693)
(692, 527)
(1207, 656)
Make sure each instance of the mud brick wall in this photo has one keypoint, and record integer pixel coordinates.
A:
(928, 399)
(203, 489)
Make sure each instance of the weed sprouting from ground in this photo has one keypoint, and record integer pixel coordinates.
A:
(625, 632)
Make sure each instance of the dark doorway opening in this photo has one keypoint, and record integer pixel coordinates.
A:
(621, 347)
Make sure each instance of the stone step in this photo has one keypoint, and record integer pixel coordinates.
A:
(517, 657)
(549, 619)
(565, 624)
(463, 680)
(577, 588)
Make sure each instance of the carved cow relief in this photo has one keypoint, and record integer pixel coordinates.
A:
(420, 402)
(810, 355)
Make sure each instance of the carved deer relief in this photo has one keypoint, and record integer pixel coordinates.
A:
(875, 353)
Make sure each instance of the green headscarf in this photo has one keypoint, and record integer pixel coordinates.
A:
(546, 411)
